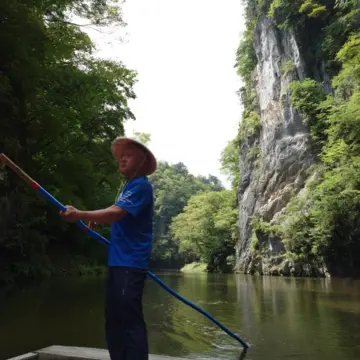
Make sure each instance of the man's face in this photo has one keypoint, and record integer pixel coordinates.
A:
(130, 159)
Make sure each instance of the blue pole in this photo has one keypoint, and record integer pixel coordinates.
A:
(104, 241)
(101, 239)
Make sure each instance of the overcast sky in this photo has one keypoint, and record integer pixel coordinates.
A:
(184, 53)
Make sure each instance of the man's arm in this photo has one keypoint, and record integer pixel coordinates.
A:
(104, 216)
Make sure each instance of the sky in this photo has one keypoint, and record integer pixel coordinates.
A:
(184, 54)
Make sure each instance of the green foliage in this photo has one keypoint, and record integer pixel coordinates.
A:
(283, 12)
(249, 99)
(344, 20)
(250, 125)
(206, 229)
(312, 9)
(254, 244)
(246, 62)
(245, 55)
(306, 6)
(306, 96)
(348, 79)
(265, 228)
(288, 12)
(229, 160)
(60, 109)
(173, 187)
(144, 138)
(287, 68)
(322, 223)
(194, 267)
(330, 23)
(254, 152)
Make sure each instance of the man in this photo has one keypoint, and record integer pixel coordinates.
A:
(129, 250)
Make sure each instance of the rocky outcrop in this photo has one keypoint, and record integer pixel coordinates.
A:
(285, 146)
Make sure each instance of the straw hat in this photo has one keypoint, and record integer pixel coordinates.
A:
(150, 163)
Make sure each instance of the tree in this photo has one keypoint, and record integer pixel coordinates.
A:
(173, 187)
(60, 109)
(229, 160)
(206, 229)
(144, 138)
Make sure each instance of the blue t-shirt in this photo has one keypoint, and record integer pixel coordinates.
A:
(131, 237)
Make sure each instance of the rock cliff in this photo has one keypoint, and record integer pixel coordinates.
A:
(285, 147)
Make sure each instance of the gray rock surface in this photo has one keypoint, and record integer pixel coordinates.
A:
(286, 147)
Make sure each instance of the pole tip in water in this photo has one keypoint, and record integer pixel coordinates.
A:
(243, 354)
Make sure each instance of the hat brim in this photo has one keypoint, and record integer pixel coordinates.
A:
(150, 164)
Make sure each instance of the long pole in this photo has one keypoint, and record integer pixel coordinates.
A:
(98, 237)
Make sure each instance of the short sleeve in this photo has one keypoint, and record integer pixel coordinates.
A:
(136, 198)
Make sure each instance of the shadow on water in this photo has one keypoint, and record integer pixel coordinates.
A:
(301, 319)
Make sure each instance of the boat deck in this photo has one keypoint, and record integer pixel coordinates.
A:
(58, 352)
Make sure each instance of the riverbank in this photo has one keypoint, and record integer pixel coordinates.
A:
(194, 267)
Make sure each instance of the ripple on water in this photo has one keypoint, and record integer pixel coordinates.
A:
(219, 302)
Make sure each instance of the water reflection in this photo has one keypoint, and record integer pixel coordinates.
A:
(292, 320)
(300, 319)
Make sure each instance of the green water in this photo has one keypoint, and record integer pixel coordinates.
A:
(307, 319)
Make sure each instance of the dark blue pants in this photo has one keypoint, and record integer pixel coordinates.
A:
(126, 333)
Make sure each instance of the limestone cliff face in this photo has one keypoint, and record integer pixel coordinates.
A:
(284, 142)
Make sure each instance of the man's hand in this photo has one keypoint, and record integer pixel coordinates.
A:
(92, 225)
(71, 214)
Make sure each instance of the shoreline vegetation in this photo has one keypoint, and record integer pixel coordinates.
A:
(194, 267)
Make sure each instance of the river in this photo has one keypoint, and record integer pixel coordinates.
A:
(281, 318)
